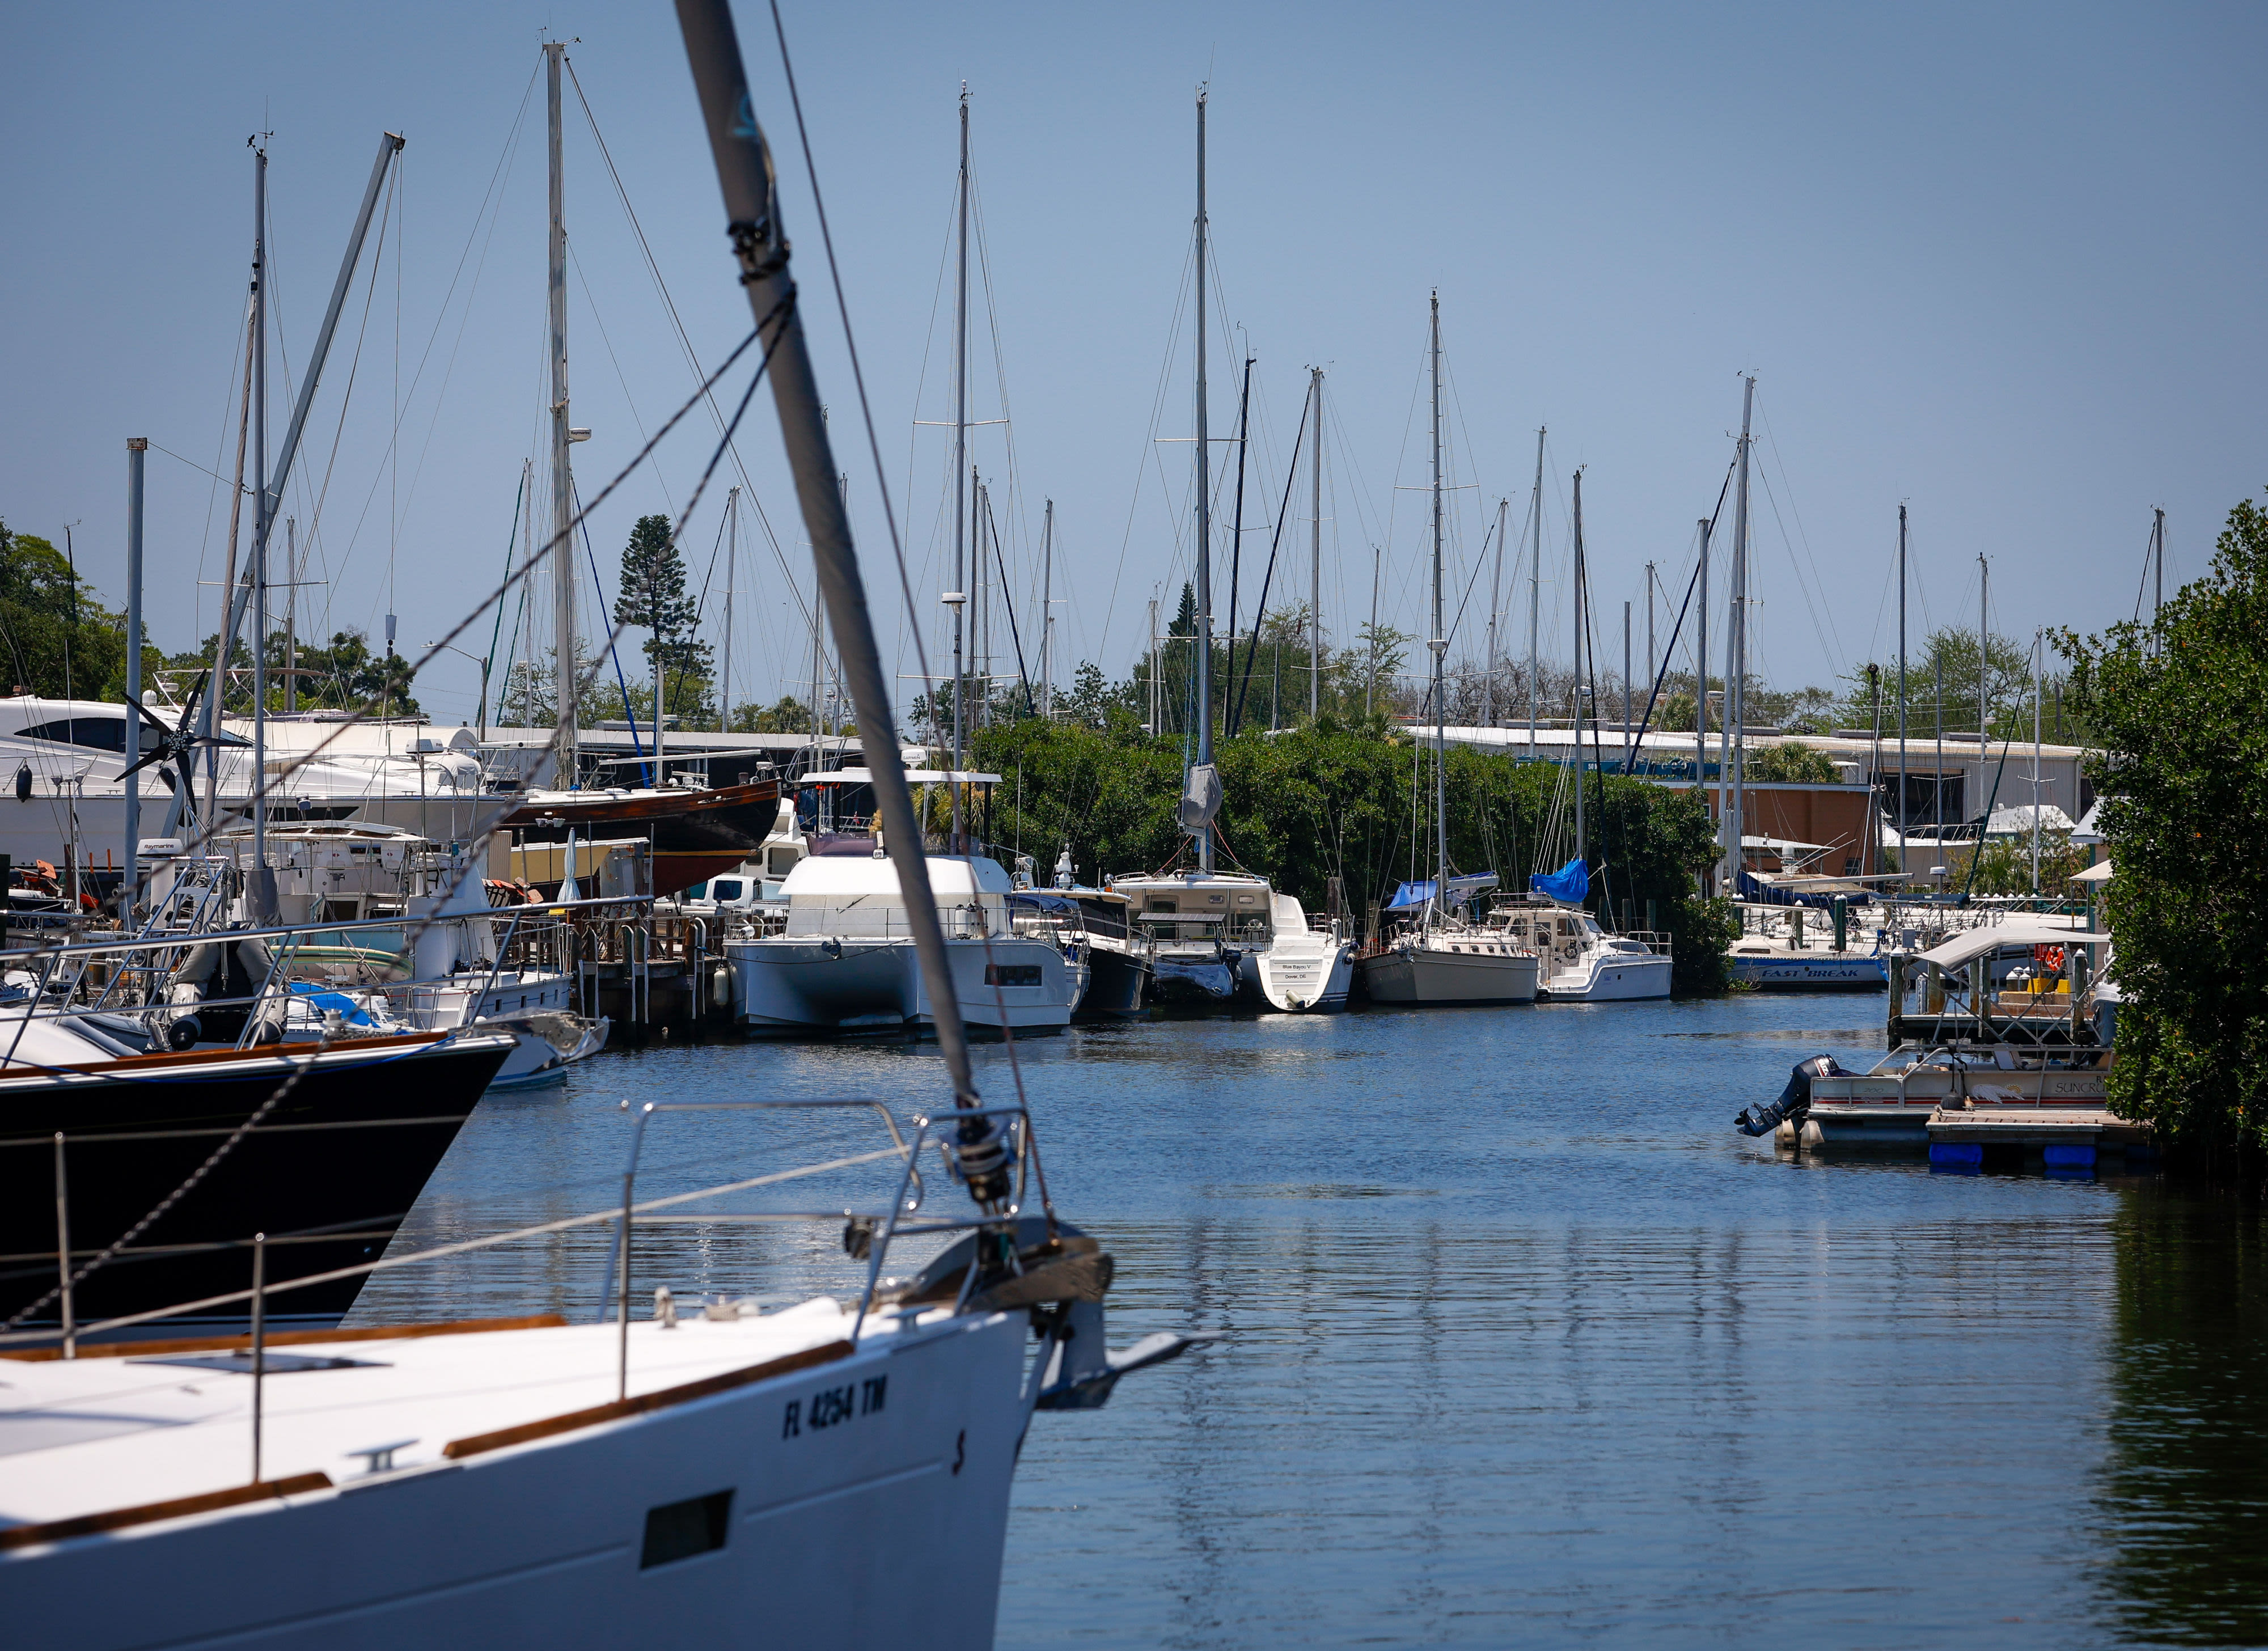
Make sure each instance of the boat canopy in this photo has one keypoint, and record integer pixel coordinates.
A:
(1569, 885)
(1757, 892)
(914, 776)
(1461, 890)
(2017, 931)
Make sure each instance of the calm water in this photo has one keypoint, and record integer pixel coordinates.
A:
(1520, 1343)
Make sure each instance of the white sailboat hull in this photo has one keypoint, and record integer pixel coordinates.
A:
(883, 1529)
(1415, 974)
(1292, 978)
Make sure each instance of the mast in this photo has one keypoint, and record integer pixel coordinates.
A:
(1439, 644)
(291, 621)
(1204, 510)
(1983, 661)
(2158, 561)
(1315, 549)
(263, 880)
(137, 451)
(1736, 667)
(527, 559)
(2040, 670)
(1535, 584)
(1048, 612)
(1582, 848)
(1496, 601)
(1937, 789)
(1902, 690)
(745, 175)
(1630, 733)
(1652, 668)
(731, 546)
(1157, 724)
(1701, 690)
(565, 668)
(957, 599)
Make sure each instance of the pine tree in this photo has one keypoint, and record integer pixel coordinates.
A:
(652, 592)
(652, 595)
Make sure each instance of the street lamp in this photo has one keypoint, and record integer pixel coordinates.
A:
(483, 664)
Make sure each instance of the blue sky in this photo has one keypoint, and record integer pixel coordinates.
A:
(1999, 264)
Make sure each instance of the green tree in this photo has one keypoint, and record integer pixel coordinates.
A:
(2177, 706)
(1332, 801)
(651, 594)
(57, 636)
(1949, 654)
(785, 715)
(1794, 762)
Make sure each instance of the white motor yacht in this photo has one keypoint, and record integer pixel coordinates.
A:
(1791, 948)
(845, 962)
(1581, 963)
(62, 796)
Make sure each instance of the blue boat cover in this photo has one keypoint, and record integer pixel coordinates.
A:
(1461, 889)
(1569, 885)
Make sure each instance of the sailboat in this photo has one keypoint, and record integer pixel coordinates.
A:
(1226, 938)
(1444, 957)
(1578, 961)
(828, 1473)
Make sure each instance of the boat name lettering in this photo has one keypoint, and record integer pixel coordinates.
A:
(831, 1407)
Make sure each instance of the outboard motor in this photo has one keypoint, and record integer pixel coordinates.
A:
(1794, 1103)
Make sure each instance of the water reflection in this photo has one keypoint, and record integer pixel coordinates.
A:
(2185, 1486)
(1520, 1343)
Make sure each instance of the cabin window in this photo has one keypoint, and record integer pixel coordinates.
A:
(1244, 900)
(1011, 974)
(101, 734)
(1157, 905)
(782, 861)
(681, 1530)
(727, 887)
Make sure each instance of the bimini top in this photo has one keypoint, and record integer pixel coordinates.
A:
(836, 880)
(1974, 943)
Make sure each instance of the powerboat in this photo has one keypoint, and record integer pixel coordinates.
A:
(844, 961)
(1779, 950)
(1577, 961)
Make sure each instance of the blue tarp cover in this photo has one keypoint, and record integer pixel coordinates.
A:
(1569, 885)
(1461, 889)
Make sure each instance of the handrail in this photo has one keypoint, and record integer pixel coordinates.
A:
(620, 1254)
(612, 1213)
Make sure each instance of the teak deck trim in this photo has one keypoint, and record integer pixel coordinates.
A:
(292, 1337)
(148, 1512)
(473, 1445)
